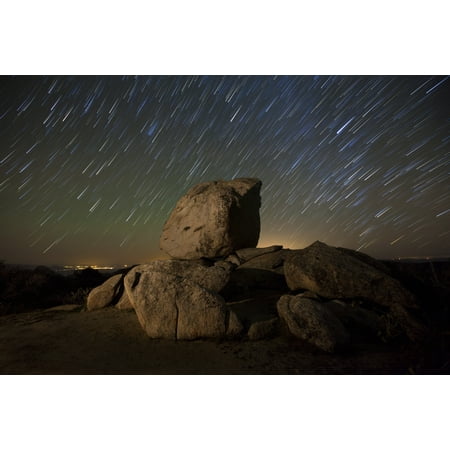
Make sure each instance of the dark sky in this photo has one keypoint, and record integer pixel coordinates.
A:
(92, 166)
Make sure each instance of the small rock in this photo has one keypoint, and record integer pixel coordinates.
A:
(233, 259)
(264, 329)
(268, 261)
(105, 294)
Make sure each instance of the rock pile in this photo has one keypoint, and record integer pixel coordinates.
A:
(219, 285)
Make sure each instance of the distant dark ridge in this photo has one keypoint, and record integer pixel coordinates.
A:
(417, 259)
(68, 269)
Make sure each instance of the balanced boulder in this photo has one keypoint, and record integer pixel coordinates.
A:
(214, 219)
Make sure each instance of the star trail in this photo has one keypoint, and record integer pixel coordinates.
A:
(91, 166)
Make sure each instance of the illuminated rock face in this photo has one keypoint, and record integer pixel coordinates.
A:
(105, 294)
(210, 277)
(172, 307)
(339, 273)
(214, 219)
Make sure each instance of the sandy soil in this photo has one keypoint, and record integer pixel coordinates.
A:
(69, 341)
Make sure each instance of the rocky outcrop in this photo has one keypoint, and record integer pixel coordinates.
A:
(214, 219)
(169, 306)
(105, 294)
(310, 321)
(212, 235)
(336, 274)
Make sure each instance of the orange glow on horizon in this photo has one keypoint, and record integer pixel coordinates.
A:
(267, 241)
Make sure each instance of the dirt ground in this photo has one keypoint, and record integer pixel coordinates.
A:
(69, 341)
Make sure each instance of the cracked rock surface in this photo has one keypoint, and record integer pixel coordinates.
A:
(172, 307)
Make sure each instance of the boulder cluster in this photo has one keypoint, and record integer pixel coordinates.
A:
(218, 284)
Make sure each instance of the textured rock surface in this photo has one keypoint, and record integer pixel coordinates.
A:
(333, 273)
(124, 302)
(105, 294)
(336, 274)
(172, 307)
(214, 219)
(312, 322)
(211, 277)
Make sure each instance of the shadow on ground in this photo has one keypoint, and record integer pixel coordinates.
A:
(67, 340)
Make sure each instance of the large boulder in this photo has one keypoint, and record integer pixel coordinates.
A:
(311, 321)
(106, 294)
(214, 219)
(338, 274)
(169, 306)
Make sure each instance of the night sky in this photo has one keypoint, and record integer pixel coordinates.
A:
(91, 167)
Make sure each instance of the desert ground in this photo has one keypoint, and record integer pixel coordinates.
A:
(68, 340)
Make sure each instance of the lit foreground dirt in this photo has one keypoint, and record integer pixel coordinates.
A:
(109, 341)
